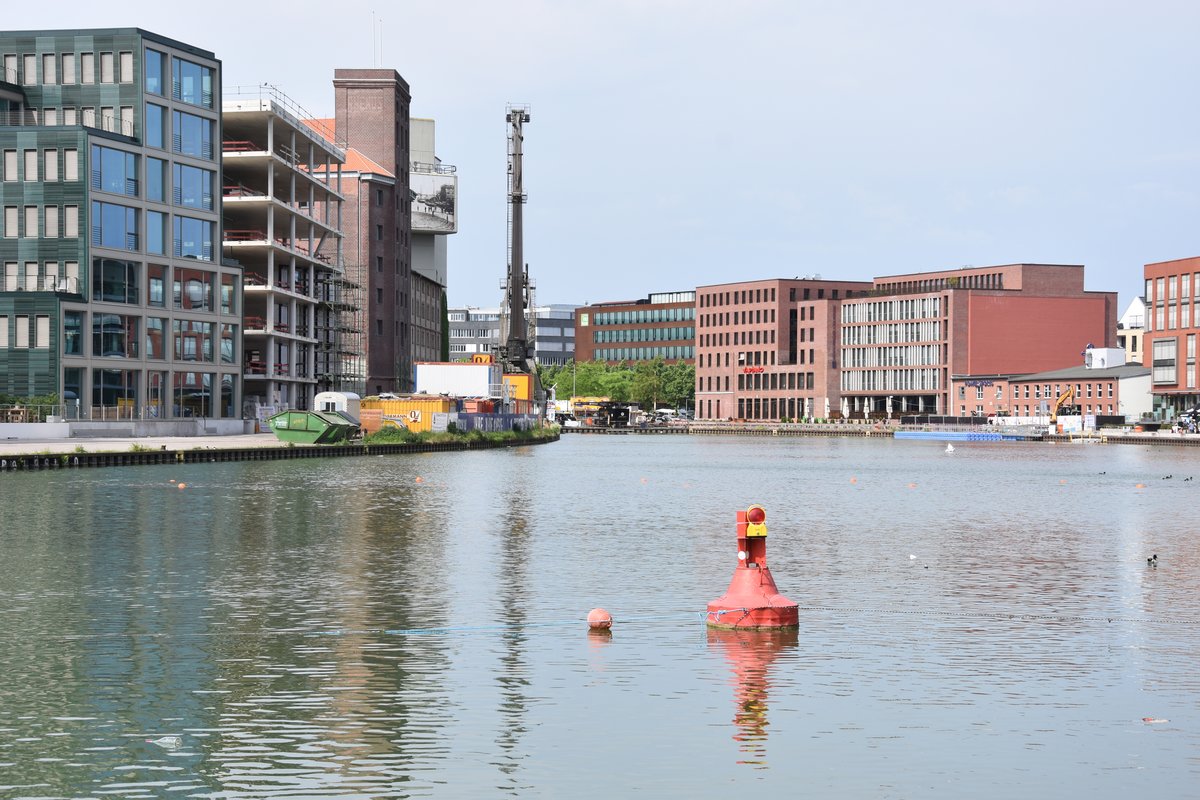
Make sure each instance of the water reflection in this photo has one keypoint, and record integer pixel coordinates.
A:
(513, 676)
(750, 655)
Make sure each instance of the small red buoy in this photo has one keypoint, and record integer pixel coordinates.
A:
(182, 485)
(599, 619)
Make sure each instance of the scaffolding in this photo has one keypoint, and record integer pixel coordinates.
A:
(339, 328)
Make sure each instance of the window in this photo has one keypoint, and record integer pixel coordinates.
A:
(68, 69)
(156, 179)
(228, 337)
(31, 165)
(191, 83)
(73, 333)
(156, 337)
(379, 232)
(50, 221)
(10, 69)
(49, 116)
(227, 295)
(106, 68)
(126, 126)
(114, 226)
(379, 263)
(156, 123)
(10, 276)
(193, 238)
(49, 71)
(1164, 361)
(70, 165)
(193, 289)
(156, 285)
(50, 166)
(193, 340)
(10, 165)
(126, 65)
(115, 281)
(89, 117)
(41, 334)
(114, 336)
(156, 233)
(71, 222)
(155, 68)
(114, 171)
(30, 76)
(31, 276)
(69, 116)
(31, 222)
(192, 135)
(193, 187)
(22, 332)
(87, 66)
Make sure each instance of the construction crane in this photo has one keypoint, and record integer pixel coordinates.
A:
(515, 351)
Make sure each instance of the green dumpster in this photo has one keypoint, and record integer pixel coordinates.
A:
(312, 427)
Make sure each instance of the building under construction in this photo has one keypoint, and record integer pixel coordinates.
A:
(282, 202)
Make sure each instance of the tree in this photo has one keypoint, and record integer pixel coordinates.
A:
(680, 385)
(648, 383)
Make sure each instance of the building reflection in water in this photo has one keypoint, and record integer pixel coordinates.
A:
(512, 578)
(750, 655)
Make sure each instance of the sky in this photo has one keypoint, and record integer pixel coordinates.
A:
(679, 143)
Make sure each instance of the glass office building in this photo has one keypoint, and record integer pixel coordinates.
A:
(115, 295)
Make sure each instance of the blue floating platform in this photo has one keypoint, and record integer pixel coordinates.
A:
(952, 436)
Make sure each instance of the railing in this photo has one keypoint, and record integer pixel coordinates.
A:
(18, 118)
(240, 146)
(433, 169)
(44, 283)
(240, 190)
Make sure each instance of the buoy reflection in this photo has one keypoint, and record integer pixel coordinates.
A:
(750, 655)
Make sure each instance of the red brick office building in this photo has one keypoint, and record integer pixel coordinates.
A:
(817, 349)
(662, 325)
(763, 347)
(1172, 324)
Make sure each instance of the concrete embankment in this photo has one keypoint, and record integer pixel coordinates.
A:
(16, 455)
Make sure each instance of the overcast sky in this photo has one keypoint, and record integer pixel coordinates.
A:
(677, 143)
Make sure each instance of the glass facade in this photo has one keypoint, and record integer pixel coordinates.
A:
(93, 77)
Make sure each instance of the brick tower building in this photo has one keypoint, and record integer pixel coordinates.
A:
(371, 107)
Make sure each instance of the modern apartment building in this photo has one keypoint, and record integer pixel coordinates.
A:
(551, 329)
(282, 213)
(1172, 324)
(662, 325)
(1131, 330)
(762, 348)
(115, 296)
(434, 188)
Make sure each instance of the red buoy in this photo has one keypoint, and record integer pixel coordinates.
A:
(752, 600)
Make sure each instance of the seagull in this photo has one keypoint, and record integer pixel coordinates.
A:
(1153, 560)
(949, 448)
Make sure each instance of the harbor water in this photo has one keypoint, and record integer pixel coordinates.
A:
(977, 623)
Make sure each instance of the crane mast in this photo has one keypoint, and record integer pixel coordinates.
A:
(514, 347)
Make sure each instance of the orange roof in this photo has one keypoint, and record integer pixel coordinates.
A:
(357, 162)
(325, 128)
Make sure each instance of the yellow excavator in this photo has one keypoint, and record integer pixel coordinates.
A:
(1063, 399)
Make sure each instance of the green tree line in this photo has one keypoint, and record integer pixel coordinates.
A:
(650, 384)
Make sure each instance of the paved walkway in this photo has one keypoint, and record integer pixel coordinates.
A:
(26, 447)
